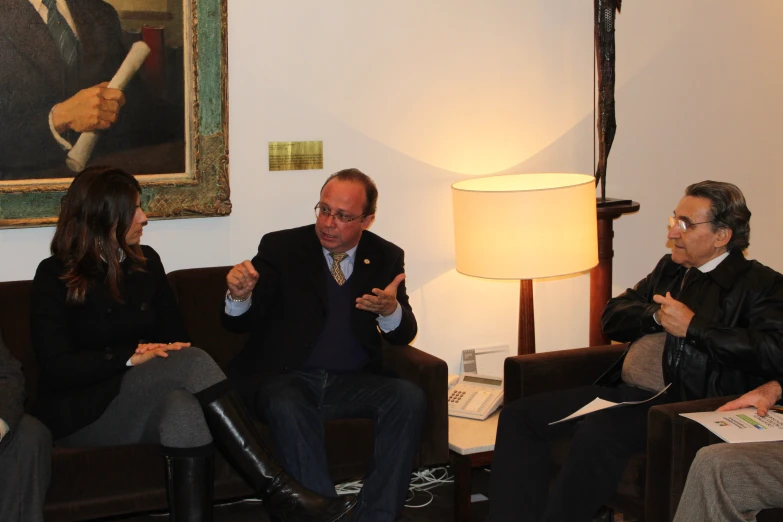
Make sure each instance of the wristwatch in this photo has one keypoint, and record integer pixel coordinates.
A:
(231, 297)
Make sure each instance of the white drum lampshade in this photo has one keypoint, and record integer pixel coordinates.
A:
(525, 226)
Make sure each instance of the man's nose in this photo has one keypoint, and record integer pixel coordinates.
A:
(674, 232)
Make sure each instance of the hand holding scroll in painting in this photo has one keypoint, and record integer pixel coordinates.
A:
(80, 153)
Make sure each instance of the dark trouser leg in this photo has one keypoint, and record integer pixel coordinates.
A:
(519, 482)
(25, 469)
(602, 444)
(286, 499)
(289, 404)
(295, 406)
(397, 407)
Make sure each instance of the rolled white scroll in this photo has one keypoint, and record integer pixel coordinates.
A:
(80, 153)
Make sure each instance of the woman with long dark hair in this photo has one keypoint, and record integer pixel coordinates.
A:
(116, 368)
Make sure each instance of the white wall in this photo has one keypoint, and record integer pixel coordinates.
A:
(422, 94)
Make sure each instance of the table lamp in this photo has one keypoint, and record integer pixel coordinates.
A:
(525, 226)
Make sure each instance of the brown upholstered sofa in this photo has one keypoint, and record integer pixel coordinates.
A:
(652, 483)
(103, 482)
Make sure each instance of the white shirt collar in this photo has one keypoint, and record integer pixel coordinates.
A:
(713, 263)
(351, 253)
(62, 6)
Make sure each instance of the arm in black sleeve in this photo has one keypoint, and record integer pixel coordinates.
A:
(630, 315)
(63, 364)
(169, 324)
(406, 331)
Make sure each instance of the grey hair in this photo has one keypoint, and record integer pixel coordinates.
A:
(727, 210)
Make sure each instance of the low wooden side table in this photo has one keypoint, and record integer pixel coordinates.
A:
(471, 445)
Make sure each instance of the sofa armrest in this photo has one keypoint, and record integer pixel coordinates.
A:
(526, 375)
(431, 375)
(672, 443)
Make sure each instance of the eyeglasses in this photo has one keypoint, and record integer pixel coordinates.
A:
(683, 225)
(323, 212)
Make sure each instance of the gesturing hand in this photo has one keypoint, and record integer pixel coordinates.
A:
(382, 302)
(241, 280)
(147, 351)
(762, 398)
(673, 315)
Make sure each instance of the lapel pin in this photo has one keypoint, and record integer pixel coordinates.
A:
(366, 261)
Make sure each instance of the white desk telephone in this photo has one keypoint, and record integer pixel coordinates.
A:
(475, 396)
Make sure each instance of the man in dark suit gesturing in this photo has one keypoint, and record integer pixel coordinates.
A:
(25, 449)
(316, 301)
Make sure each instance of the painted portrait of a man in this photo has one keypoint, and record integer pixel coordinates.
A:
(56, 59)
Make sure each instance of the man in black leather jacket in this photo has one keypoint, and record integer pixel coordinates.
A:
(706, 321)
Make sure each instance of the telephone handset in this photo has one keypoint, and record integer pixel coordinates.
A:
(475, 396)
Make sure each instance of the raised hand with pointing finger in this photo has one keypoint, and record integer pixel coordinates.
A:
(241, 280)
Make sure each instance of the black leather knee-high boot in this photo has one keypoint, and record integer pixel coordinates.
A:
(190, 484)
(234, 433)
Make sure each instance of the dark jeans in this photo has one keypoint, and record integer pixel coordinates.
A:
(295, 405)
(601, 445)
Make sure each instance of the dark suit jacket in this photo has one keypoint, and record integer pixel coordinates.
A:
(82, 350)
(11, 392)
(289, 302)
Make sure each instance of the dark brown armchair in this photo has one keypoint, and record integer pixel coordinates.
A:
(652, 482)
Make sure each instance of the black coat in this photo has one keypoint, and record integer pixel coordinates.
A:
(734, 342)
(82, 349)
(11, 392)
(288, 310)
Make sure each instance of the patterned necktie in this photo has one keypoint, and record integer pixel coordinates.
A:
(62, 34)
(336, 270)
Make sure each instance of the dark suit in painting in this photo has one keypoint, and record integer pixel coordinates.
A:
(291, 308)
(25, 451)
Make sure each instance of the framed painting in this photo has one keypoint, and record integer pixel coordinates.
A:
(170, 129)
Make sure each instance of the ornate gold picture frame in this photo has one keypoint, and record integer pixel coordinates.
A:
(202, 189)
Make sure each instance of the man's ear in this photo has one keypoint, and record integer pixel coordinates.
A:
(722, 237)
(367, 221)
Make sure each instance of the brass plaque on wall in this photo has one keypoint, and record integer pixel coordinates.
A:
(296, 155)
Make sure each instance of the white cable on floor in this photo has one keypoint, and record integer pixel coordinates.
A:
(421, 481)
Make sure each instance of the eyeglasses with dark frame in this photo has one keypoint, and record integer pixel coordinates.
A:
(682, 224)
(322, 211)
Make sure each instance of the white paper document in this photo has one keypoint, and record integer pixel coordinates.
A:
(744, 425)
(601, 404)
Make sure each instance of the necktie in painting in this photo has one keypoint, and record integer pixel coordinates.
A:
(63, 35)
